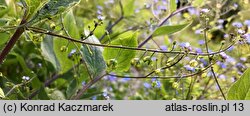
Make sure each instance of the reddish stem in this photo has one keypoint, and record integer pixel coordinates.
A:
(12, 41)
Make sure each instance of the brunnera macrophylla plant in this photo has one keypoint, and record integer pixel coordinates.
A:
(117, 49)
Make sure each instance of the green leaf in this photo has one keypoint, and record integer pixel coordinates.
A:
(34, 6)
(72, 88)
(129, 8)
(62, 56)
(57, 95)
(42, 95)
(123, 57)
(3, 10)
(93, 58)
(1, 93)
(240, 90)
(168, 30)
(48, 52)
(173, 5)
(54, 8)
(198, 3)
(69, 22)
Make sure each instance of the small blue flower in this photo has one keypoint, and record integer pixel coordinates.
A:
(153, 58)
(199, 31)
(222, 76)
(124, 80)
(105, 94)
(231, 60)
(223, 55)
(198, 50)
(219, 26)
(240, 31)
(155, 1)
(94, 98)
(161, 7)
(112, 78)
(221, 21)
(205, 10)
(226, 35)
(164, 47)
(204, 62)
(243, 59)
(240, 66)
(247, 22)
(26, 78)
(147, 85)
(193, 11)
(222, 65)
(236, 5)
(237, 24)
(186, 46)
(201, 42)
(83, 83)
(158, 84)
(189, 68)
(231, 48)
(164, 2)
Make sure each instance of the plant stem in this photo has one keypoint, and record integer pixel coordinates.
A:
(162, 22)
(38, 30)
(87, 86)
(11, 43)
(19, 31)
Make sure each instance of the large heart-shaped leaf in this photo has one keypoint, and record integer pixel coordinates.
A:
(123, 57)
(169, 29)
(72, 88)
(48, 51)
(241, 89)
(53, 8)
(93, 58)
(34, 6)
(71, 28)
(129, 8)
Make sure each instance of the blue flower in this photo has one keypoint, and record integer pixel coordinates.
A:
(203, 61)
(189, 68)
(199, 31)
(158, 84)
(222, 76)
(112, 78)
(94, 98)
(237, 24)
(236, 5)
(147, 85)
(240, 31)
(223, 55)
(222, 65)
(240, 66)
(247, 22)
(124, 80)
(26, 78)
(193, 11)
(164, 47)
(105, 94)
(226, 35)
(221, 21)
(231, 48)
(243, 59)
(201, 42)
(83, 83)
(198, 50)
(186, 46)
(205, 10)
